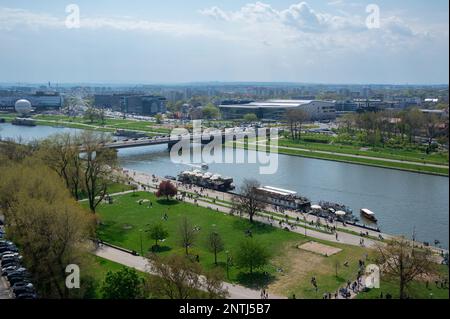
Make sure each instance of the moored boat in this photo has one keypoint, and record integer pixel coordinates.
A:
(368, 214)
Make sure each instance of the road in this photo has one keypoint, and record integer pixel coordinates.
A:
(142, 264)
(5, 292)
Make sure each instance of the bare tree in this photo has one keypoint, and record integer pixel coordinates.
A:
(215, 244)
(187, 234)
(296, 118)
(248, 202)
(98, 163)
(402, 261)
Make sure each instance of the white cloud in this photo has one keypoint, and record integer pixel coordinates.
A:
(301, 17)
(14, 18)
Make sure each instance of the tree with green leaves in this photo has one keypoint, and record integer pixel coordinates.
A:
(251, 255)
(157, 232)
(122, 284)
(250, 118)
(215, 244)
(210, 112)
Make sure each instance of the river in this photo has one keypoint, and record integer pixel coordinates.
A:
(403, 201)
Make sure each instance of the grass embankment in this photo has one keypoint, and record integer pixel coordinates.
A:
(289, 271)
(109, 125)
(416, 290)
(305, 150)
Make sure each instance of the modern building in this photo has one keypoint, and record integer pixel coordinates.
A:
(109, 101)
(39, 100)
(132, 103)
(143, 104)
(276, 109)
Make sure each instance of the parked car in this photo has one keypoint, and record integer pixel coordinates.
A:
(17, 278)
(26, 296)
(22, 284)
(23, 290)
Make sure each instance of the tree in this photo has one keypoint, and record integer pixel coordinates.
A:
(122, 284)
(404, 262)
(97, 165)
(250, 118)
(215, 244)
(157, 232)
(251, 255)
(180, 278)
(92, 114)
(210, 111)
(167, 189)
(431, 128)
(248, 202)
(158, 118)
(187, 234)
(61, 153)
(296, 118)
(50, 228)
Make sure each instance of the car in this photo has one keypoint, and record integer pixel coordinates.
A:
(12, 248)
(23, 290)
(11, 267)
(22, 284)
(26, 295)
(8, 254)
(9, 262)
(18, 278)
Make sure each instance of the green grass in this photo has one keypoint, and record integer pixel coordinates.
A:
(416, 290)
(411, 153)
(122, 221)
(355, 160)
(109, 125)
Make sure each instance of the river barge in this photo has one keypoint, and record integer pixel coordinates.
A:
(207, 180)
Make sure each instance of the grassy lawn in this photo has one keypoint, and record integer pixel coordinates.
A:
(353, 160)
(289, 271)
(416, 290)
(412, 154)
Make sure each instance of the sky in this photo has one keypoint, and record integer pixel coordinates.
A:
(178, 41)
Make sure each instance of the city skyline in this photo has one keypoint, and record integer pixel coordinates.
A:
(314, 42)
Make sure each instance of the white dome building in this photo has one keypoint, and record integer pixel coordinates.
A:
(23, 106)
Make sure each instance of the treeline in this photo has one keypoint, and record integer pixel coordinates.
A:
(39, 187)
(404, 126)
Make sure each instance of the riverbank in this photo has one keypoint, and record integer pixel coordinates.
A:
(414, 167)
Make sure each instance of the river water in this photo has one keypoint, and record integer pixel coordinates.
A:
(402, 201)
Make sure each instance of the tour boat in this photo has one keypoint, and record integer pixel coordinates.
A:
(368, 214)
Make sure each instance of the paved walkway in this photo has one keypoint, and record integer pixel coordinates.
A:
(5, 292)
(342, 237)
(143, 264)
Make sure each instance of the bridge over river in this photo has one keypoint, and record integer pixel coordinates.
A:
(203, 138)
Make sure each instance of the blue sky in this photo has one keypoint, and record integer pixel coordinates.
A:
(317, 41)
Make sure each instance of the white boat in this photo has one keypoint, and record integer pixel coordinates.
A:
(368, 214)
